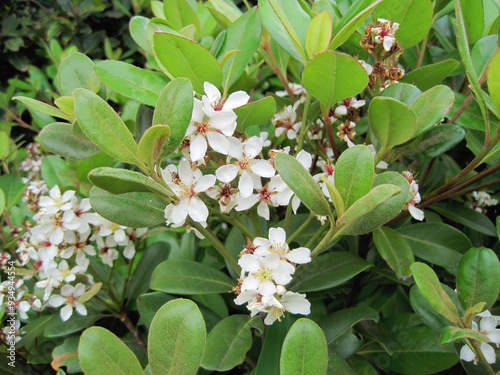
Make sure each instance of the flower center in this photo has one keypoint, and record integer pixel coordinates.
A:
(245, 163)
(264, 274)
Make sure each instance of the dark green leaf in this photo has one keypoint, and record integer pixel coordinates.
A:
(255, 113)
(395, 250)
(55, 171)
(13, 188)
(430, 75)
(151, 144)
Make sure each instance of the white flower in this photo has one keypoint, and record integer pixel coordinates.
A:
(487, 326)
(344, 105)
(417, 213)
(107, 251)
(384, 33)
(285, 122)
(297, 90)
(69, 296)
(213, 103)
(187, 185)
(55, 202)
(293, 302)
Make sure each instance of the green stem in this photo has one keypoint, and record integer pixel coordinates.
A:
(303, 226)
(421, 52)
(217, 245)
(233, 220)
(479, 354)
(328, 239)
(313, 239)
(305, 123)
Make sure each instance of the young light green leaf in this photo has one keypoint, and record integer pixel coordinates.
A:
(60, 139)
(101, 352)
(177, 339)
(224, 13)
(67, 105)
(391, 122)
(120, 181)
(304, 350)
(302, 183)
(139, 84)
(332, 76)
(151, 144)
(74, 72)
(453, 333)
(319, 34)
(403, 92)
(428, 284)
(430, 75)
(38, 106)
(395, 250)
(473, 19)
(478, 278)
(138, 27)
(104, 127)
(493, 78)
(180, 14)
(2, 202)
(255, 113)
(185, 58)
(185, 277)
(354, 174)
(174, 108)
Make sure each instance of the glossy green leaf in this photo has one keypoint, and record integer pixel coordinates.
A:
(185, 58)
(351, 21)
(449, 334)
(177, 339)
(138, 27)
(327, 271)
(75, 323)
(229, 341)
(33, 330)
(430, 288)
(430, 75)
(135, 83)
(67, 105)
(466, 216)
(244, 36)
(482, 52)
(149, 303)
(391, 122)
(60, 139)
(339, 322)
(136, 210)
(478, 278)
(13, 188)
(55, 171)
(74, 72)
(185, 277)
(318, 34)
(431, 107)
(38, 106)
(438, 243)
(224, 13)
(255, 113)
(174, 108)
(119, 181)
(493, 78)
(354, 174)
(180, 14)
(403, 92)
(362, 216)
(332, 76)
(302, 183)
(2, 201)
(151, 144)
(287, 23)
(66, 355)
(473, 19)
(101, 352)
(104, 127)
(414, 18)
(395, 250)
(304, 350)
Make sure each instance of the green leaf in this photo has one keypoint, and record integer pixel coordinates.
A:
(180, 14)
(287, 23)
(431, 107)
(4, 144)
(38, 106)
(55, 171)
(229, 341)
(67, 105)
(119, 181)
(395, 250)
(75, 323)
(403, 92)
(177, 339)
(33, 330)
(478, 278)
(13, 188)
(493, 78)
(135, 83)
(466, 216)
(482, 52)
(101, 352)
(149, 303)
(255, 113)
(2, 202)
(138, 27)
(414, 18)
(244, 36)
(174, 108)
(66, 354)
(362, 217)
(332, 76)
(151, 144)
(185, 58)
(438, 243)
(104, 127)
(430, 75)
(74, 72)
(224, 13)
(60, 139)
(391, 122)
(339, 322)
(186, 277)
(136, 210)
(304, 350)
(473, 19)
(302, 183)
(351, 21)
(327, 271)
(319, 34)
(354, 174)
(449, 334)
(428, 284)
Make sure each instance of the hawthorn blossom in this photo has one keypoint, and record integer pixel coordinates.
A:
(285, 122)
(213, 102)
(487, 326)
(346, 104)
(297, 90)
(56, 202)
(384, 31)
(69, 296)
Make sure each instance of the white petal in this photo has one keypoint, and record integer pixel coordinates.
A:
(388, 41)
(267, 288)
(79, 290)
(66, 312)
(204, 183)
(197, 210)
(417, 213)
(56, 300)
(253, 146)
(263, 168)
(57, 236)
(488, 352)
(304, 158)
(179, 213)
(218, 142)
(235, 148)
(236, 99)
(277, 235)
(245, 185)
(296, 303)
(197, 148)
(246, 203)
(263, 210)
(67, 290)
(466, 354)
(80, 309)
(227, 173)
(185, 173)
(249, 263)
(300, 255)
(212, 92)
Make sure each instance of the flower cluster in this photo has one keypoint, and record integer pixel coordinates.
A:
(482, 200)
(267, 266)
(417, 213)
(486, 326)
